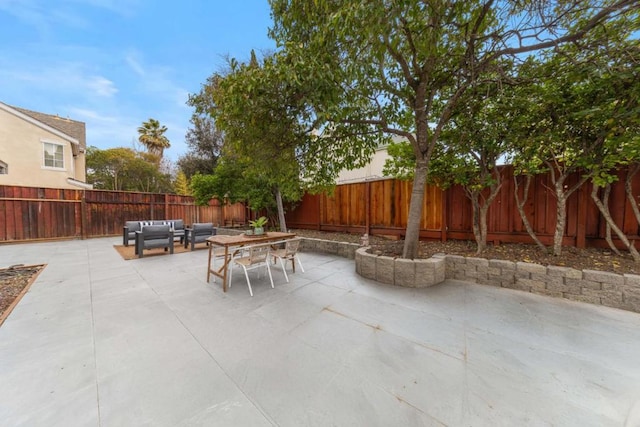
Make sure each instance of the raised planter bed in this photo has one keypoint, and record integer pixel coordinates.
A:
(419, 273)
(595, 287)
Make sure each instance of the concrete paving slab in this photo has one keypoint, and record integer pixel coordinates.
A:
(102, 341)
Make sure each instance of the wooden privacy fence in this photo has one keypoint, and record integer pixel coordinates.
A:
(375, 207)
(381, 207)
(29, 213)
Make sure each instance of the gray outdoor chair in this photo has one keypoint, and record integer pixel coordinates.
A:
(129, 231)
(154, 236)
(198, 233)
(178, 229)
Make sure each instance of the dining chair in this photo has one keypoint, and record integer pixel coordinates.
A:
(288, 253)
(253, 257)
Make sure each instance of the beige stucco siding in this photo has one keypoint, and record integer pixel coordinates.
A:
(372, 170)
(21, 147)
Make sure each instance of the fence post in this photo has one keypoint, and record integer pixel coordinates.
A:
(581, 238)
(367, 204)
(83, 214)
(445, 214)
(320, 209)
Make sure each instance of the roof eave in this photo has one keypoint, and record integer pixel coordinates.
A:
(38, 123)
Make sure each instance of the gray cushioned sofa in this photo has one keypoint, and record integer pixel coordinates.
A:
(130, 228)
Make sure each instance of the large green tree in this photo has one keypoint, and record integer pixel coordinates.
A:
(581, 112)
(124, 169)
(205, 145)
(402, 67)
(476, 139)
(259, 111)
(152, 135)
(606, 106)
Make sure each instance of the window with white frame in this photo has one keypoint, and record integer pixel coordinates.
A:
(4, 168)
(53, 155)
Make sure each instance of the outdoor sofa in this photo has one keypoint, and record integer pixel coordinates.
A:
(130, 228)
(154, 236)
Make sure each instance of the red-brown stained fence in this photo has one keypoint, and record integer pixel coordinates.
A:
(39, 213)
(381, 208)
(29, 213)
(377, 207)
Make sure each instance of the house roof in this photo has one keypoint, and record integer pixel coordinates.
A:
(72, 128)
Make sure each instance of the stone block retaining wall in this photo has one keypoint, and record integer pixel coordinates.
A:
(595, 287)
(343, 249)
(417, 273)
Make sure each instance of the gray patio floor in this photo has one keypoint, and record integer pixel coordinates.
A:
(99, 341)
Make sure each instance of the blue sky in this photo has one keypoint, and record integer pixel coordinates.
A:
(115, 63)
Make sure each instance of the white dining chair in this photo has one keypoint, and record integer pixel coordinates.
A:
(288, 253)
(254, 257)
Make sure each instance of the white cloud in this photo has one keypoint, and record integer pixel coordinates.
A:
(101, 86)
(156, 80)
(83, 114)
(41, 14)
(134, 64)
(70, 78)
(125, 8)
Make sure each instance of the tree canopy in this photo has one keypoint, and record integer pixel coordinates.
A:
(124, 169)
(151, 135)
(205, 145)
(403, 67)
(259, 113)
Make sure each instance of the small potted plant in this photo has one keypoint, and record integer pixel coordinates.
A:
(258, 225)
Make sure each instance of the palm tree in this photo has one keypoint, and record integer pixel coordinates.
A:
(152, 137)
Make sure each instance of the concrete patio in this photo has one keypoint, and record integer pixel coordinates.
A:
(99, 341)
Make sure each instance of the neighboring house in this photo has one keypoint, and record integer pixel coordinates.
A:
(41, 150)
(373, 170)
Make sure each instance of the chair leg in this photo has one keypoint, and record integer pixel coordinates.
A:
(248, 282)
(270, 276)
(299, 262)
(284, 270)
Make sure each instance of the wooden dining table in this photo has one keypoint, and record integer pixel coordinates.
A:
(231, 243)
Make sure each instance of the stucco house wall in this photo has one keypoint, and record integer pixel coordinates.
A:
(22, 145)
(372, 170)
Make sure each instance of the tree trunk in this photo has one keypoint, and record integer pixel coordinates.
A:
(412, 237)
(481, 210)
(631, 172)
(562, 195)
(561, 219)
(481, 241)
(523, 215)
(606, 214)
(281, 219)
(484, 210)
(607, 237)
(605, 203)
